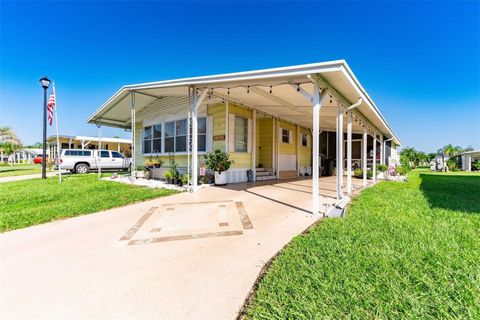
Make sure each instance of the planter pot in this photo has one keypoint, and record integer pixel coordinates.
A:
(220, 178)
(157, 165)
(381, 175)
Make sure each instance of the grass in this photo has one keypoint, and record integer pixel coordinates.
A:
(404, 251)
(19, 170)
(30, 202)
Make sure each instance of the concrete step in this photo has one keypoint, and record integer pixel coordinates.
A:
(260, 169)
(263, 173)
(264, 178)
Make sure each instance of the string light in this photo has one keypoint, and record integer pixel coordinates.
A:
(270, 89)
(248, 89)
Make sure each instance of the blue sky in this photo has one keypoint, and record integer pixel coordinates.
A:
(419, 61)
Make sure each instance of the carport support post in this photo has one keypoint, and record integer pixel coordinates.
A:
(316, 99)
(349, 152)
(374, 167)
(133, 167)
(254, 144)
(339, 152)
(382, 156)
(196, 102)
(364, 156)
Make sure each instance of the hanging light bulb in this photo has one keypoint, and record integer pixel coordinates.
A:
(270, 89)
(228, 91)
(298, 87)
(248, 89)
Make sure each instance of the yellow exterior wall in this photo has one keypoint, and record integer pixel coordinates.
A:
(306, 152)
(242, 159)
(218, 113)
(264, 142)
(287, 148)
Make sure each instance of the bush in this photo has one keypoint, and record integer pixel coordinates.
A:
(401, 170)
(382, 168)
(452, 165)
(359, 173)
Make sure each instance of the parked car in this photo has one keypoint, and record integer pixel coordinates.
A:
(83, 161)
(38, 159)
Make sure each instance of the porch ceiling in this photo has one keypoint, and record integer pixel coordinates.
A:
(273, 91)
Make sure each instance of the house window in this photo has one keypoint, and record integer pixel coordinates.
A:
(152, 139)
(176, 135)
(285, 136)
(241, 134)
(304, 140)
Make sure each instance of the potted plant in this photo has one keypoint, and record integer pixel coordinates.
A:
(168, 175)
(381, 168)
(157, 162)
(219, 162)
(149, 162)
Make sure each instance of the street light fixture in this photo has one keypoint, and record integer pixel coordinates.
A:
(45, 82)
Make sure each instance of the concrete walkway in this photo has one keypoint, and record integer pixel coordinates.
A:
(187, 256)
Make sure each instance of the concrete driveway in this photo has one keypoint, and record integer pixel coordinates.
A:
(187, 256)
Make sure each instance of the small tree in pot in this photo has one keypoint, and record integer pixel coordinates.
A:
(219, 162)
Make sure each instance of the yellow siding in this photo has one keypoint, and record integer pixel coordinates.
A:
(264, 142)
(287, 148)
(218, 113)
(232, 108)
(242, 159)
(306, 152)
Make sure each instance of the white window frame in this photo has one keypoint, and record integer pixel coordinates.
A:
(235, 135)
(289, 132)
(163, 136)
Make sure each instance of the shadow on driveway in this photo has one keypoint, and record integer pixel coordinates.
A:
(452, 192)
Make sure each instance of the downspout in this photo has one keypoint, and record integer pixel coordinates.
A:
(384, 148)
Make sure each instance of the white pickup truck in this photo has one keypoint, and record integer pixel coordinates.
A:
(82, 161)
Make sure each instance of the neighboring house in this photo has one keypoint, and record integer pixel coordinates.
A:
(262, 118)
(466, 159)
(437, 163)
(83, 142)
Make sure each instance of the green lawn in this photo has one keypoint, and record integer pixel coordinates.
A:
(19, 170)
(29, 202)
(404, 251)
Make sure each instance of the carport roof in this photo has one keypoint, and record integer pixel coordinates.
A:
(254, 89)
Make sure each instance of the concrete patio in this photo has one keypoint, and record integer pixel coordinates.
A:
(187, 256)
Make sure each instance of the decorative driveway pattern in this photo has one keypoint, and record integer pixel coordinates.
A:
(189, 220)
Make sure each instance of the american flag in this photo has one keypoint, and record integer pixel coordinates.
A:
(51, 106)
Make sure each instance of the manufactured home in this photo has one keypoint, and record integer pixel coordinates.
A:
(281, 123)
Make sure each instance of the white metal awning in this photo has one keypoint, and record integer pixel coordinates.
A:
(279, 92)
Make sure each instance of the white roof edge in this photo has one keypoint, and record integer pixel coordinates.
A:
(312, 68)
(107, 139)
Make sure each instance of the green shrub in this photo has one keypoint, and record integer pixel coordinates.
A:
(401, 170)
(452, 165)
(382, 168)
(359, 173)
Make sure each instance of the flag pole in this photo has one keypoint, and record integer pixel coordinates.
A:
(58, 137)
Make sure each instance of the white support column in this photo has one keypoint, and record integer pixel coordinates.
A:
(133, 167)
(118, 147)
(254, 146)
(364, 156)
(468, 159)
(339, 153)
(197, 101)
(349, 153)
(274, 161)
(83, 144)
(298, 147)
(374, 166)
(227, 132)
(382, 152)
(317, 97)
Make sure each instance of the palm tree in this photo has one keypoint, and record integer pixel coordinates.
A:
(409, 157)
(449, 151)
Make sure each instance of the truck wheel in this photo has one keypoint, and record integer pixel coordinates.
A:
(81, 168)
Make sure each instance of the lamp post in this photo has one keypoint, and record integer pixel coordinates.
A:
(45, 82)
